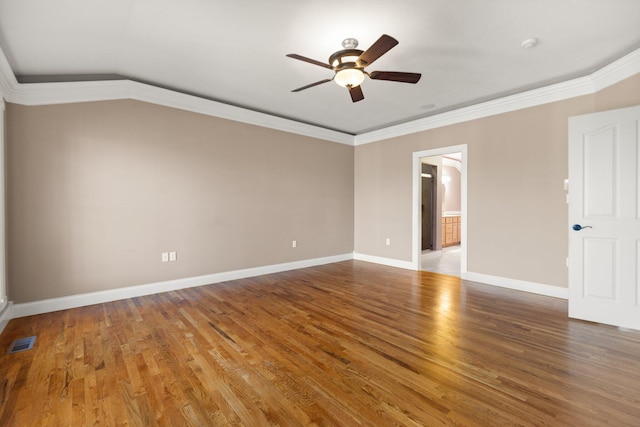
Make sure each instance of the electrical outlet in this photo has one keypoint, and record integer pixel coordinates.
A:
(294, 243)
(173, 256)
(165, 256)
(388, 241)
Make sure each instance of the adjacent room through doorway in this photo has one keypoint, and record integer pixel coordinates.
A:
(440, 201)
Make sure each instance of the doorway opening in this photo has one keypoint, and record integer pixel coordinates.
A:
(439, 210)
(428, 206)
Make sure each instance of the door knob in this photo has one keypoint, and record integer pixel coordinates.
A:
(578, 227)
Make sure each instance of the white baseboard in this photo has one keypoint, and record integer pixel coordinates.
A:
(520, 285)
(503, 282)
(5, 315)
(73, 301)
(407, 265)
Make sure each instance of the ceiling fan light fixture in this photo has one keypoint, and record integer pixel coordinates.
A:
(349, 66)
(349, 77)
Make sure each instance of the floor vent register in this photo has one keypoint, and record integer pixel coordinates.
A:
(22, 344)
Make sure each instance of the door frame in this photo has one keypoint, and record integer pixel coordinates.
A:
(416, 229)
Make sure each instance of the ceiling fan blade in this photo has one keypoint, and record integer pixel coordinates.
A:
(309, 60)
(379, 48)
(395, 76)
(356, 93)
(311, 85)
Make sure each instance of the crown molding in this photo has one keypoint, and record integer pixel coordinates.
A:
(446, 161)
(557, 92)
(7, 79)
(71, 92)
(613, 73)
(616, 71)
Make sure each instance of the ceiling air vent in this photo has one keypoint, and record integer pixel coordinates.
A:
(22, 344)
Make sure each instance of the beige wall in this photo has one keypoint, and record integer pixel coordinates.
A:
(97, 191)
(517, 213)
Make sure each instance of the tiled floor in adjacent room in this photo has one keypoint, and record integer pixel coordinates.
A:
(446, 261)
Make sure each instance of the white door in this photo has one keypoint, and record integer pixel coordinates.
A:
(604, 199)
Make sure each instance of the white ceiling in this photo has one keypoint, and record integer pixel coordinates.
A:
(468, 51)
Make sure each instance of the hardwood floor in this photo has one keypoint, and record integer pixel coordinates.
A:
(345, 344)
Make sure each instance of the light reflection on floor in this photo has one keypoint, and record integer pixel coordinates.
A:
(446, 261)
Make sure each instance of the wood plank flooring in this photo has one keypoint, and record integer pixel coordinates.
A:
(345, 344)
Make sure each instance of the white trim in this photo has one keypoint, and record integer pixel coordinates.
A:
(7, 79)
(5, 316)
(607, 76)
(71, 92)
(416, 250)
(532, 98)
(520, 285)
(502, 282)
(81, 300)
(65, 92)
(617, 71)
(446, 161)
(407, 265)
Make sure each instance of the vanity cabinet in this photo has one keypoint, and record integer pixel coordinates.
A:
(450, 230)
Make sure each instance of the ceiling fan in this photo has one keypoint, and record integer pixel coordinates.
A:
(349, 66)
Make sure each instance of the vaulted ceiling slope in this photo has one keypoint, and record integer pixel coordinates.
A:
(233, 53)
